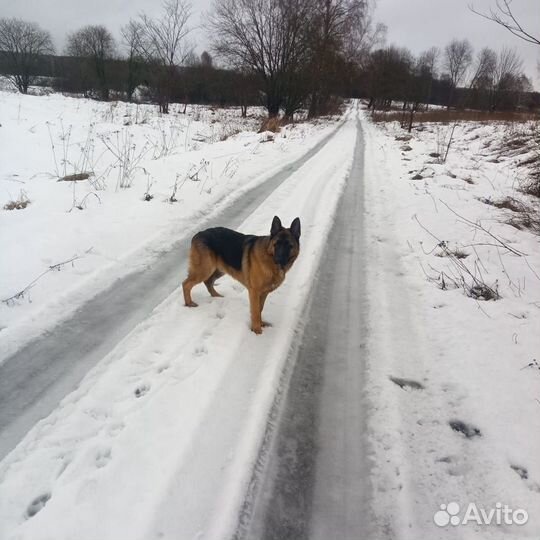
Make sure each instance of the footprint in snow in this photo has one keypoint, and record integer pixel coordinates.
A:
(454, 467)
(200, 351)
(37, 504)
(468, 430)
(63, 466)
(521, 471)
(407, 384)
(97, 414)
(103, 457)
(115, 428)
(142, 390)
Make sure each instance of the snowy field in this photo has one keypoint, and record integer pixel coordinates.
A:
(160, 438)
(171, 420)
(152, 180)
(460, 421)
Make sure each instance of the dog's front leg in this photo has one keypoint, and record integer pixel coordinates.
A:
(255, 308)
(263, 300)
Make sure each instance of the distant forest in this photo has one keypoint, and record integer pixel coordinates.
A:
(287, 55)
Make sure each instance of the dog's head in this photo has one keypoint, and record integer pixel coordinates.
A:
(284, 244)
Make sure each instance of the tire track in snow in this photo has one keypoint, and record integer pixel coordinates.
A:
(312, 475)
(178, 458)
(35, 378)
(244, 396)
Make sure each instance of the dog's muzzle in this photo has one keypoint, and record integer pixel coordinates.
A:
(282, 255)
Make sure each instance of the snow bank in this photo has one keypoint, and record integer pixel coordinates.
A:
(455, 410)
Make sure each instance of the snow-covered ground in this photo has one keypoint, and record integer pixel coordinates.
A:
(212, 155)
(460, 422)
(159, 439)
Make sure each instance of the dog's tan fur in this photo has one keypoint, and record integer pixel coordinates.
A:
(259, 272)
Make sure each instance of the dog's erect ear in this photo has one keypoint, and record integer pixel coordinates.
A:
(295, 228)
(276, 226)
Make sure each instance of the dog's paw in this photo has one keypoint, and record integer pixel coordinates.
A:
(256, 329)
(192, 304)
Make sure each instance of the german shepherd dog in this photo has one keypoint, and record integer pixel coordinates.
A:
(258, 262)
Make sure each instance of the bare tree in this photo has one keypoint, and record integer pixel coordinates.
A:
(389, 77)
(509, 64)
(131, 36)
(23, 43)
(457, 59)
(96, 45)
(426, 69)
(364, 36)
(206, 59)
(429, 59)
(264, 37)
(503, 15)
(163, 44)
(484, 69)
(335, 26)
(480, 91)
(525, 83)
(508, 74)
(419, 82)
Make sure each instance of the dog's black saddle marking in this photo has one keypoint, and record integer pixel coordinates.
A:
(227, 244)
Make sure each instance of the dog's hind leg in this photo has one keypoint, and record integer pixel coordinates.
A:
(202, 266)
(210, 284)
(187, 285)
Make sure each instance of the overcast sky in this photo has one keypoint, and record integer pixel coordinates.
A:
(416, 24)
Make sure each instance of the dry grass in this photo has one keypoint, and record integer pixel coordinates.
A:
(481, 291)
(273, 124)
(531, 185)
(523, 216)
(525, 220)
(228, 130)
(445, 116)
(78, 177)
(458, 253)
(522, 142)
(18, 204)
(509, 203)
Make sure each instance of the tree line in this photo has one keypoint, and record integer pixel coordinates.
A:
(452, 77)
(286, 54)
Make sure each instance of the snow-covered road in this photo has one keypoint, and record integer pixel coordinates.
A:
(312, 479)
(38, 376)
(159, 438)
